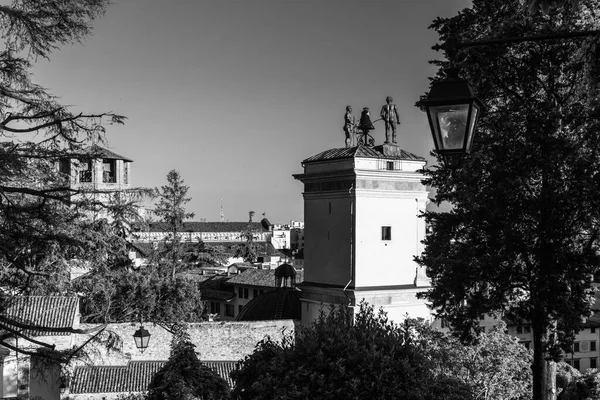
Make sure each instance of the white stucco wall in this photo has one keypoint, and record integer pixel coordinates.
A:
(386, 262)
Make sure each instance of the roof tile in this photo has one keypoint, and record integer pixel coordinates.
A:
(46, 311)
(133, 377)
(362, 152)
(254, 277)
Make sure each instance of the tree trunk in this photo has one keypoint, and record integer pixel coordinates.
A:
(543, 370)
(537, 368)
(549, 384)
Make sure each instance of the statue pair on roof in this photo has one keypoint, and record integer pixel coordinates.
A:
(389, 114)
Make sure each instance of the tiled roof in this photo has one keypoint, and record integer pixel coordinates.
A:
(209, 227)
(101, 152)
(133, 377)
(47, 311)
(214, 289)
(362, 152)
(254, 277)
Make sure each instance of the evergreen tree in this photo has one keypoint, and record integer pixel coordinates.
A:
(170, 208)
(248, 249)
(184, 377)
(521, 239)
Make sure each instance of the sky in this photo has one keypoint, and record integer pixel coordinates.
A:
(235, 94)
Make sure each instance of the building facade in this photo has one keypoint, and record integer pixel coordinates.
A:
(362, 230)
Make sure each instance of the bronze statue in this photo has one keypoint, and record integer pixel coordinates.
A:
(348, 125)
(390, 116)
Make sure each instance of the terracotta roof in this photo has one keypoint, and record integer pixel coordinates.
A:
(362, 152)
(47, 311)
(209, 227)
(133, 377)
(254, 277)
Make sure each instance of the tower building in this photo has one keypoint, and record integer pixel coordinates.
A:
(362, 231)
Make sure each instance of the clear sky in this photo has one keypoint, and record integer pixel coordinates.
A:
(235, 94)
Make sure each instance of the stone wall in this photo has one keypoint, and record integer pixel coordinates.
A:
(215, 341)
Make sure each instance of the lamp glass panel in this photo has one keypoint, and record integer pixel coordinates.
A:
(145, 341)
(138, 341)
(472, 122)
(435, 128)
(451, 124)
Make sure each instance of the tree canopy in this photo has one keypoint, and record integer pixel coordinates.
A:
(338, 358)
(521, 239)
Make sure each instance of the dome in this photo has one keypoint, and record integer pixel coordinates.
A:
(282, 303)
(285, 275)
(285, 271)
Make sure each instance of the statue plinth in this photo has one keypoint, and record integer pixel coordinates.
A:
(390, 150)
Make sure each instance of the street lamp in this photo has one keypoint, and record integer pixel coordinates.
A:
(452, 106)
(141, 337)
(452, 109)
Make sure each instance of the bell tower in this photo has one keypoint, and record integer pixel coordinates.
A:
(361, 207)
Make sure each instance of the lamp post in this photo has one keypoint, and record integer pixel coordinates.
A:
(452, 106)
(452, 110)
(141, 338)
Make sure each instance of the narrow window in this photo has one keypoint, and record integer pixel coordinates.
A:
(386, 233)
(245, 293)
(593, 362)
(64, 166)
(519, 329)
(125, 172)
(229, 310)
(390, 165)
(576, 364)
(109, 171)
(576, 348)
(592, 330)
(87, 168)
(240, 293)
(593, 345)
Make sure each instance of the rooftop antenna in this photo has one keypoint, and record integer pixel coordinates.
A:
(222, 212)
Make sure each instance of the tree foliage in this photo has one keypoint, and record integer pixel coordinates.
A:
(495, 367)
(184, 377)
(521, 239)
(336, 358)
(157, 291)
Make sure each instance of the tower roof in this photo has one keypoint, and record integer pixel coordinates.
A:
(100, 152)
(387, 151)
